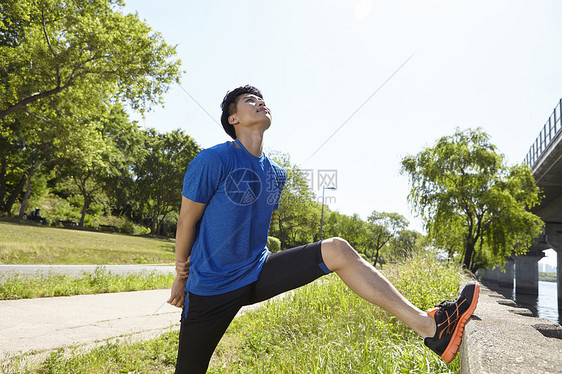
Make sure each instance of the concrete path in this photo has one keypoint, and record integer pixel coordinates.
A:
(77, 270)
(40, 325)
(50, 323)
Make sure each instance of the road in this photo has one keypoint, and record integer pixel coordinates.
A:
(77, 270)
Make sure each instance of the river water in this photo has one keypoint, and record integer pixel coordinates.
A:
(544, 306)
(547, 303)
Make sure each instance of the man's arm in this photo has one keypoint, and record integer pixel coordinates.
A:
(190, 213)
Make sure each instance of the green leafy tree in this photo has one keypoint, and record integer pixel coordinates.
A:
(61, 64)
(15, 158)
(159, 176)
(30, 144)
(297, 221)
(54, 132)
(38, 135)
(451, 238)
(95, 157)
(52, 45)
(407, 243)
(130, 141)
(383, 227)
(463, 190)
(351, 228)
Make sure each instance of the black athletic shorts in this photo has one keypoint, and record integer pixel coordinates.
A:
(209, 316)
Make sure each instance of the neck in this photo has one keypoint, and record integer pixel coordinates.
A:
(252, 141)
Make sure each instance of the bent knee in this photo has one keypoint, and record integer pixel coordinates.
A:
(337, 252)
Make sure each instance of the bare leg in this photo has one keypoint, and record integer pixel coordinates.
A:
(367, 282)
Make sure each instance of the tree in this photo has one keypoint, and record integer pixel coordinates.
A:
(14, 160)
(59, 129)
(131, 142)
(95, 156)
(52, 45)
(462, 189)
(29, 145)
(297, 220)
(408, 242)
(354, 230)
(383, 227)
(159, 176)
(61, 64)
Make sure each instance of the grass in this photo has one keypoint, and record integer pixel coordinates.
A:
(33, 244)
(320, 328)
(100, 281)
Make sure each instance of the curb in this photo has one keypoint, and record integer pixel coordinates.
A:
(505, 338)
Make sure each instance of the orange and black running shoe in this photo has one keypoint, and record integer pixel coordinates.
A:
(450, 318)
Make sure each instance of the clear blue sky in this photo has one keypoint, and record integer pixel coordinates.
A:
(489, 64)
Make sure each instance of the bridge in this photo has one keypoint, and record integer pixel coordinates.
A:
(545, 159)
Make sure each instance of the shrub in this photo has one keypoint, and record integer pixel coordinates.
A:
(124, 225)
(273, 244)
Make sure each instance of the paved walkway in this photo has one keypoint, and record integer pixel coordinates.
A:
(49, 323)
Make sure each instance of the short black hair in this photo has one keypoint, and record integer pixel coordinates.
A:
(228, 106)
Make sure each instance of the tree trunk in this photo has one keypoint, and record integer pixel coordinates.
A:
(450, 253)
(281, 233)
(13, 197)
(468, 253)
(82, 183)
(3, 170)
(154, 218)
(160, 228)
(31, 173)
(376, 259)
(84, 210)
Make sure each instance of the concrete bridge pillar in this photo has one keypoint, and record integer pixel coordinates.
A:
(527, 273)
(484, 274)
(505, 277)
(559, 275)
(494, 274)
(488, 275)
(554, 238)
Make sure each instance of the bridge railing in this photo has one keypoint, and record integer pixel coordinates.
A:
(550, 131)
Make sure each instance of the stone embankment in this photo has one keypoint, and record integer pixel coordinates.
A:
(504, 338)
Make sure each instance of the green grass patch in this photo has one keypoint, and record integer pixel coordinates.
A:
(33, 244)
(153, 356)
(320, 328)
(326, 328)
(100, 281)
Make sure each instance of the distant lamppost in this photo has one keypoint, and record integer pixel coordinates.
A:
(324, 188)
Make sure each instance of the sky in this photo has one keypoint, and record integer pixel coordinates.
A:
(354, 86)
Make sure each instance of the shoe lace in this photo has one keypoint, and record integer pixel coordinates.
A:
(444, 304)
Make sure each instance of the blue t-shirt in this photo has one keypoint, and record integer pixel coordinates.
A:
(241, 191)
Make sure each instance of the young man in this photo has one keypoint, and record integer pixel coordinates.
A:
(229, 193)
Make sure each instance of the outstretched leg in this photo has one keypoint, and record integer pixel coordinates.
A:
(367, 282)
(442, 328)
